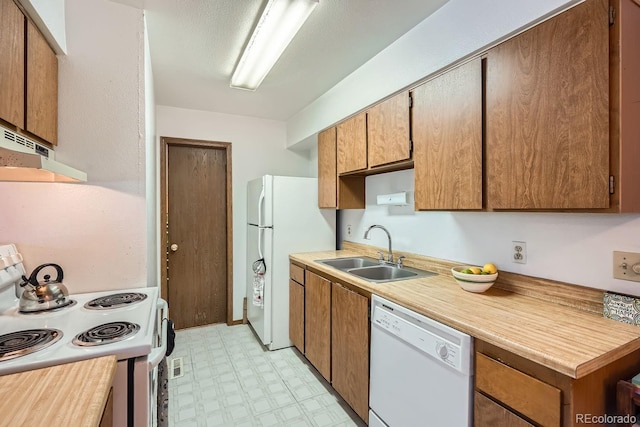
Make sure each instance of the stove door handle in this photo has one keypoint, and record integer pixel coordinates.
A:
(158, 353)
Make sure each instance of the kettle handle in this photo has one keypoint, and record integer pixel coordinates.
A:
(33, 279)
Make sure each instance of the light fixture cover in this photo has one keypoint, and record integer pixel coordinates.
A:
(278, 24)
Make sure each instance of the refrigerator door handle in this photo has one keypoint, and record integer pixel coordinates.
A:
(260, 231)
(260, 204)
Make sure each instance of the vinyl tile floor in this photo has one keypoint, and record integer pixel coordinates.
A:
(229, 379)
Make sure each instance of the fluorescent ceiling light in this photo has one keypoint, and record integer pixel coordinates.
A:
(278, 24)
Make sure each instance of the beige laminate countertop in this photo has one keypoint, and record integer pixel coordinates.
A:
(565, 339)
(67, 395)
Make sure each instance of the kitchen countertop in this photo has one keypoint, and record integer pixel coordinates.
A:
(566, 339)
(73, 394)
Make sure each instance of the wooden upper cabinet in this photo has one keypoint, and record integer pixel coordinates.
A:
(317, 323)
(352, 144)
(12, 48)
(388, 131)
(350, 348)
(327, 174)
(547, 114)
(447, 139)
(42, 87)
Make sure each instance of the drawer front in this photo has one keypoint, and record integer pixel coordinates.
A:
(296, 273)
(487, 413)
(529, 396)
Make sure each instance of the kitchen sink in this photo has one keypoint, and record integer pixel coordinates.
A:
(348, 263)
(371, 270)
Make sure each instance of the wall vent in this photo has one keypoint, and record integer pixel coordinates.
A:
(175, 368)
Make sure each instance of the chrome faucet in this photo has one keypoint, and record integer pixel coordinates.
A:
(366, 236)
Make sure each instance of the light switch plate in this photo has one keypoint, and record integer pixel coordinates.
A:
(626, 266)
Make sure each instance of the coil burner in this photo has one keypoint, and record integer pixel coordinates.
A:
(106, 334)
(115, 301)
(21, 343)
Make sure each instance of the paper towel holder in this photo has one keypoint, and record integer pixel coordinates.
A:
(396, 199)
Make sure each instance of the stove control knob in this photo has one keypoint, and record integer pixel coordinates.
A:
(174, 247)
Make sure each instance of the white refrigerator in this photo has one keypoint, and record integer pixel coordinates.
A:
(282, 218)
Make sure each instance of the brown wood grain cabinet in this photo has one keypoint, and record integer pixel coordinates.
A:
(350, 348)
(540, 395)
(12, 51)
(447, 138)
(388, 133)
(42, 87)
(327, 172)
(317, 325)
(547, 114)
(488, 413)
(296, 306)
(28, 76)
(351, 136)
(338, 192)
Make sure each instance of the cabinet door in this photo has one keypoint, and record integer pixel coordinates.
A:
(42, 87)
(547, 114)
(317, 325)
(296, 314)
(327, 174)
(487, 413)
(11, 63)
(352, 144)
(447, 138)
(350, 348)
(388, 131)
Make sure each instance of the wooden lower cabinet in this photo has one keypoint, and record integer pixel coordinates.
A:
(317, 325)
(296, 314)
(539, 395)
(350, 348)
(488, 413)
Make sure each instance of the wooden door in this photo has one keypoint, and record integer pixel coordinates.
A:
(327, 175)
(547, 114)
(317, 325)
(352, 144)
(447, 140)
(388, 131)
(42, 87)
(350, 348)
(296, 314)
(12, 49)
(198, 194)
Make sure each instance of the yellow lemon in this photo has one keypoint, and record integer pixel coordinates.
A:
(475, 270)
(490, 268)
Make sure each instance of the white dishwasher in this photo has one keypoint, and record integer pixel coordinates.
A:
(421, 370)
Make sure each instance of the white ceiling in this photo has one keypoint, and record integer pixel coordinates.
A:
(195, 44)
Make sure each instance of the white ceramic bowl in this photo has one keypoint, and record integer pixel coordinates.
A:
(473, 282)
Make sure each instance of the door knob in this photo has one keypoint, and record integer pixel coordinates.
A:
(174, 247)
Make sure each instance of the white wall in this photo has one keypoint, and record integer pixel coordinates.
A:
(151, 173)
(458, 29)
(569, 247)
(95, 231)
(258, 148)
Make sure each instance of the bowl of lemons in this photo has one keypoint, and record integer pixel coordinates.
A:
(475, 279)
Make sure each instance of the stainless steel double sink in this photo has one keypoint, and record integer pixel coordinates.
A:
(373, 271)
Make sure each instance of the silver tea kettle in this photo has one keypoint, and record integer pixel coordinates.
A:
(45, 295)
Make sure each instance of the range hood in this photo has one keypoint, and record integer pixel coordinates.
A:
(22, 159)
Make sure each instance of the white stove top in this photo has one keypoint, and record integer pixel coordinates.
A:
(74, 320)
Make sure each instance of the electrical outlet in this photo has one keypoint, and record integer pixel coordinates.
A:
(349, 230)
(626, 266)
(519, 252)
